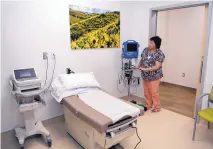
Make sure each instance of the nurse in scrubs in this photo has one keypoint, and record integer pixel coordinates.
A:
(151, 71)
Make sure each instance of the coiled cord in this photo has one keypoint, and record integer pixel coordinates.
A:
(52, 74)
(122, 80)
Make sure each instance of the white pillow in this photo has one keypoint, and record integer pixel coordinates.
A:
(78, 80)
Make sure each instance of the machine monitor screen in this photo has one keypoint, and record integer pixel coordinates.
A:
(25, 73)
(132, 47)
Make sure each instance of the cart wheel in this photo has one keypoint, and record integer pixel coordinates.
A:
(21, 146)
(49, 141)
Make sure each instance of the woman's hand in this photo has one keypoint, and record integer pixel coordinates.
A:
(137, 67)
(141, 68)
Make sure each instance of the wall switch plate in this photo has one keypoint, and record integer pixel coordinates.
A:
(45, 55)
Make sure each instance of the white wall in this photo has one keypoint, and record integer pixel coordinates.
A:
(181, 31)
(30, 28)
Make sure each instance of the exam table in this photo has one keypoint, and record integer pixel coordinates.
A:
(95, 119)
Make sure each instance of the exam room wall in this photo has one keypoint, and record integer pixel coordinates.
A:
(30, 28)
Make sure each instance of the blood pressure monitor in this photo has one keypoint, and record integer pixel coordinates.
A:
(130, 49)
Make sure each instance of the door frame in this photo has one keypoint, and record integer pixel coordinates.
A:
(209, 5)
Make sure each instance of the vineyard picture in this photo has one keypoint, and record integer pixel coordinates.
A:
(94, 28)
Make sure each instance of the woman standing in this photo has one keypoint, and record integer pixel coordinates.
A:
(151, 70)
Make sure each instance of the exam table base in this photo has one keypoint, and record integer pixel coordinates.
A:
(88, 137)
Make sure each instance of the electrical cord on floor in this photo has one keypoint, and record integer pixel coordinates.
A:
(137, 136)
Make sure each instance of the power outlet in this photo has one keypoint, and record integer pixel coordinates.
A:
(52, 56)
(183, 74)
(45, 55)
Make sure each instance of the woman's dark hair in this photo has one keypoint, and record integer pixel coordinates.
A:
(157, 41)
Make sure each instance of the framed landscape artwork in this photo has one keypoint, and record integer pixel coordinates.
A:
(93, 28)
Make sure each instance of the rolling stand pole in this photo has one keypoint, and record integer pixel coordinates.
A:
(129, 81)
(128, 74)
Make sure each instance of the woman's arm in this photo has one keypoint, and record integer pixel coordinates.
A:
(155, 67)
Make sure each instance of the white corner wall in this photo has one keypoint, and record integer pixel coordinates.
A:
(181, 31)
(208, 83)
(32, 27)
(0, 72)
(162, 31)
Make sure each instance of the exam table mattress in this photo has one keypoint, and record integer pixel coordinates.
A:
(93, 117)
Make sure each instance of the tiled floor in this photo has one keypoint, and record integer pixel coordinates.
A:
(163, 130)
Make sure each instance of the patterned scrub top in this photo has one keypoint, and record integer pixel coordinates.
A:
(148, 60)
